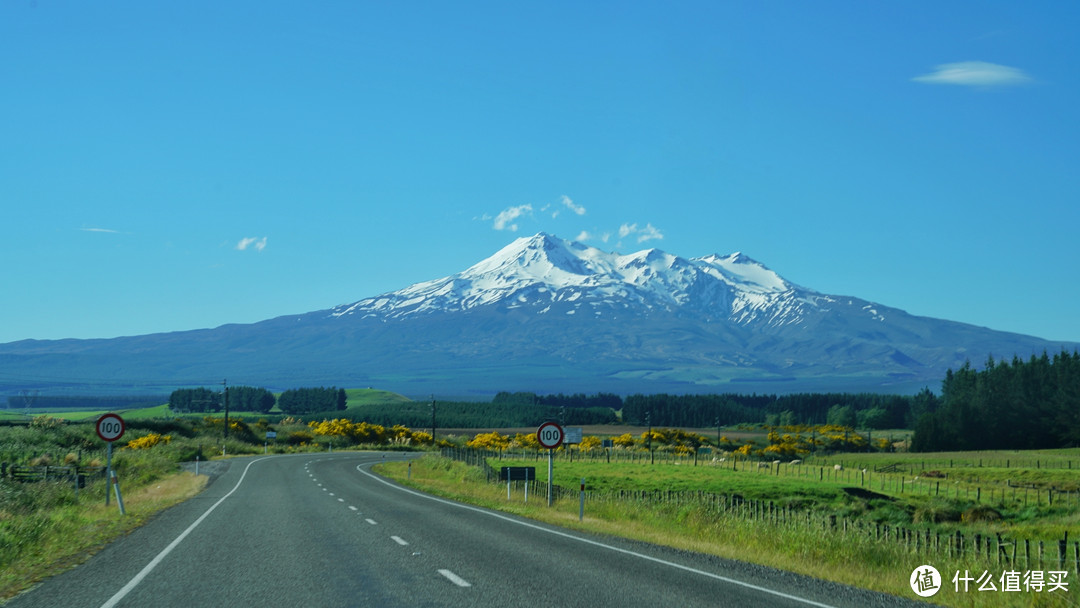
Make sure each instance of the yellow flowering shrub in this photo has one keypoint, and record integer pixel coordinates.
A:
(489, 441)
(590, 443)
(149, 441)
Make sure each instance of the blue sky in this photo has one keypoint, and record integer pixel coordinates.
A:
(176, 166)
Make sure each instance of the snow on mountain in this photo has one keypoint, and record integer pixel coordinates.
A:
(549, 314)
(543, 271)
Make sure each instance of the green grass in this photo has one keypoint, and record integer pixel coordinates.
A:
(369, 396)
(846, 556)
(44, 529)
(908, 497)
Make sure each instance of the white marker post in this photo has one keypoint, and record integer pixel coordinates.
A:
(550, 435)
(110, 427)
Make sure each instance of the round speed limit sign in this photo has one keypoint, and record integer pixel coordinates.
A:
(550, 435)
(110, 427)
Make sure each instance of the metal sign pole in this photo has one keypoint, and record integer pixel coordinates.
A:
(551, 466)
(108, 474)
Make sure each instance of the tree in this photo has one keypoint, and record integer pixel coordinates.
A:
(841, 415)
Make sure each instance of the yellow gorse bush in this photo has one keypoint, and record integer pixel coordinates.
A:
(149, 441)
(489, 441)
(364, 432)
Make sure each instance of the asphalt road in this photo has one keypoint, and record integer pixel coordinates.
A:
(321, 530)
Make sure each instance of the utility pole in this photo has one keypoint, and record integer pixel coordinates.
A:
(225, 398)
(433, 420)
(648, 421)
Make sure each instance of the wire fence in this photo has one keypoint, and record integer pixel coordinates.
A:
(1025, 554)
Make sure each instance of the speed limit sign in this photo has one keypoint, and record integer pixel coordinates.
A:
(110, 427)
(550, 435)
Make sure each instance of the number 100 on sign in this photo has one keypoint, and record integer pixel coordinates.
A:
(550, 435)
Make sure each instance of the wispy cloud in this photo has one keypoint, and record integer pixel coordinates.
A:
(585, 235)
(105, 230)
(648, 233)
(578, 209)
(256, 243)
(975, 74)
(506, 220)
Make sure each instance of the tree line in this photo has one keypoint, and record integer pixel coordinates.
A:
(297, 401)
(312, 400)
(1013, 405)
(241, 398)
(84, 402)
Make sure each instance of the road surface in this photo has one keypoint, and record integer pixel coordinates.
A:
(322, 530)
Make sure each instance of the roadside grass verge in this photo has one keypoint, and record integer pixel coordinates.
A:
(44, 531)
(847, 557)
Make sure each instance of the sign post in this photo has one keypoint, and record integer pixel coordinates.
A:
(550, 435)
(110, 427)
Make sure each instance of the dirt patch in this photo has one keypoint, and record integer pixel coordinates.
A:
(865, 494)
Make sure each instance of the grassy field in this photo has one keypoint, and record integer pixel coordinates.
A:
(843, 554)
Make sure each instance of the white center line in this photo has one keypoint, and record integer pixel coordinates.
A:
(457, 580)
(352, 508)
(399, 540)
(370, 521)
(340, 499)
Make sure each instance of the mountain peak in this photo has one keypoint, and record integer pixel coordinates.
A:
(541, 271)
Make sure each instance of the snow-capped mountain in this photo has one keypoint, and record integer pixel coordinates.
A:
(549, 275)
(549, 315)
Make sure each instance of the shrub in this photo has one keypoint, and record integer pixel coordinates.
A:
(980, 513)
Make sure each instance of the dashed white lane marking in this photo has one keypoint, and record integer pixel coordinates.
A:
(457, 580)
(352, 508)
(399, 540)
(370, 521)
(594, 543)
(340, 499)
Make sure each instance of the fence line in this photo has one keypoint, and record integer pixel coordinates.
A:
(48, 472)
(1014, 553)
(885, 478)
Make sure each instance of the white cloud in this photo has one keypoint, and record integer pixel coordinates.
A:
(254, 242)
(505, 219)
(584, 236)
(578, 209)
(106, 230)
(975, 74)
(648, 233)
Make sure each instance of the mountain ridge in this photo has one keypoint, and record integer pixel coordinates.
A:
(552, 315)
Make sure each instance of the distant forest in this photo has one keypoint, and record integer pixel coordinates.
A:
(1013, 405)
(1007, 405)
(84, 402)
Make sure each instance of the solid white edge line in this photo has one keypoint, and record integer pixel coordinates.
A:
(134, 582)
(457, 580)
(594, 543)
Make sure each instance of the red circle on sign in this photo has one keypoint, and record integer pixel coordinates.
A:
(110, 427)
(550, 435)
